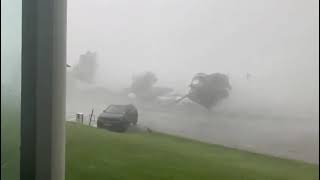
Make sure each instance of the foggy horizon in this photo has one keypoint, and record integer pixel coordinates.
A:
(275, 41)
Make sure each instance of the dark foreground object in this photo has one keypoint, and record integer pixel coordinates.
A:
(118, 117)
(208, 90)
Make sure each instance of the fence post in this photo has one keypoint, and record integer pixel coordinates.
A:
(82, 119)
(91, 117)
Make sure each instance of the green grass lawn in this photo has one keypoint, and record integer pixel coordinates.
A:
(10, 142)
(96, 154)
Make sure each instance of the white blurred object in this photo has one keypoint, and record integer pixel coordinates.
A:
(79, 117)
(165, 99)
(132, 96)
(178, 98)
(184, 101)
(195, 82)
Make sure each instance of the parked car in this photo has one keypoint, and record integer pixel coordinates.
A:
(118, 117)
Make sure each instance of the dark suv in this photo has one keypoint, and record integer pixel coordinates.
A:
(118, 117)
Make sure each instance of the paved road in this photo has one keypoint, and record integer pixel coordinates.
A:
(293, 138)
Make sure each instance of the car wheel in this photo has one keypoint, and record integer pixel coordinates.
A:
(120, 129)
(99, 125)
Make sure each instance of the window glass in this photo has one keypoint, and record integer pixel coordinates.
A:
(10, 88)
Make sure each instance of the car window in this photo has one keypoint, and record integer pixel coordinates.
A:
(116, 109)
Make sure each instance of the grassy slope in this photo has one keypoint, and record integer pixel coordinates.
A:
(10, 142)
(101, 155)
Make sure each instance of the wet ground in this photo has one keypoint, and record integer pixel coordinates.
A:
(283, 137)
(294, 137)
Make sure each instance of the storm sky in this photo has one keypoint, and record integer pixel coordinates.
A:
(274, 40)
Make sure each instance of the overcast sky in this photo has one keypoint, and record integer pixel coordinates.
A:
(274, 40)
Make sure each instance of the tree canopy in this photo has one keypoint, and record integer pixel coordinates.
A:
(86, 68)
(208, 90)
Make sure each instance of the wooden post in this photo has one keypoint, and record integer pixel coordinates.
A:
(82, 119)
(90, 117)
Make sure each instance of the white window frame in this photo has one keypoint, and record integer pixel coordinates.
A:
(43, 90)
